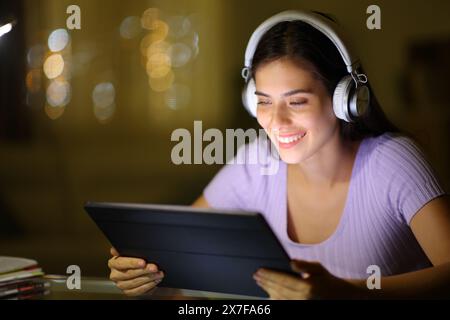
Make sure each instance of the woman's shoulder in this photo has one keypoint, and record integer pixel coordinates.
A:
(398, 160)
(393, 148)
(401, 174)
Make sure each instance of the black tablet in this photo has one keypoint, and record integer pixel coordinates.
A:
(198, 249)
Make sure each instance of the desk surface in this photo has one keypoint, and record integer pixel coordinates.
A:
(103, 289)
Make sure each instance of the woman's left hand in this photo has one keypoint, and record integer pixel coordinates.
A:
(313, 282)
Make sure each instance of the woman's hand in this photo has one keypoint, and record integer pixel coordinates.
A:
(133, 276)
(313, 282)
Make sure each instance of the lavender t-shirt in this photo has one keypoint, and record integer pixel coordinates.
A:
(390, 182)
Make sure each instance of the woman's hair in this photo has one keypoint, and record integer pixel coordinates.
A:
(302, 43)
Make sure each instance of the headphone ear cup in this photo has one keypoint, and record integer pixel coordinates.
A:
(341, 99)
(360, 101)
(249, 98)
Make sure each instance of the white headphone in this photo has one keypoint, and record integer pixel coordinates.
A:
(351, 97)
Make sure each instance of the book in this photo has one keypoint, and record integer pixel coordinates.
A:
(10, 264)
(22, 274)
(21, 279)
(21, 287)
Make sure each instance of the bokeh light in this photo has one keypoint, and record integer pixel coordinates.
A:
(103, 96)
(177, 96)
(160, 31)
(158, 65)
(149, 17)
(179, 26)
(58, 93)
(104, 115)
(195, 44)
(35, 56)
(180, 54)
(162, 84)
(130, 27)
(170, 44)
(58, 40)
(158, 47)
(54, 113)
(54, 66)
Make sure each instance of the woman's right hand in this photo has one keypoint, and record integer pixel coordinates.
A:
(133, 276)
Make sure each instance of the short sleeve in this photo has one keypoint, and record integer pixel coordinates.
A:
(408, 180)
(232, 186)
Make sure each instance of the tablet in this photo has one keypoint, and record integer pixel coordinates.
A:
(198, 249)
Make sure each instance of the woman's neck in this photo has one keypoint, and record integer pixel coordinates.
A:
(331, 165)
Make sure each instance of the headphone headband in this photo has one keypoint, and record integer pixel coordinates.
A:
(313, 19)
(351, 97)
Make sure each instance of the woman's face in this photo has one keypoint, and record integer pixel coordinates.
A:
(295, 109)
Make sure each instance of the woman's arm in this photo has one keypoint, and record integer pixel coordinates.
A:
(431, 227)
(432, 282)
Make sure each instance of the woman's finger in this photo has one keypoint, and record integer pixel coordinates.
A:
(114, 252)
(137, 282)
(119, 275)
(122, 263)
(280, 278)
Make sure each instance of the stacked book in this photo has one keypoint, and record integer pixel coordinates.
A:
(21, 279)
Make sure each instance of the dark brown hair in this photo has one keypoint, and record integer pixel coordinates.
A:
(301, 42)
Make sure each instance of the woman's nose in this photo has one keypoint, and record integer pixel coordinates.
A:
(280, 117)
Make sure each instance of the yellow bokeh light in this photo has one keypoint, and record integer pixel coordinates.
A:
(160, 71)
(160, 31)
(146, 42)
(162, 84)
(54, 66)
(159, 34)
(149, 17)
(158, 65)
(158, 47)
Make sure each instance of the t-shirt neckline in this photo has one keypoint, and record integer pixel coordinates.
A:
(345, 213)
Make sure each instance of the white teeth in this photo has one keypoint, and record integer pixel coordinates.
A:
(291, 139)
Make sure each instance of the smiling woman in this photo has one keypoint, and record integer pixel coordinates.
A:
(351, 192)
(301, 46)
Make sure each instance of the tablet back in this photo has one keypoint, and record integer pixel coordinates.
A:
(198, 249)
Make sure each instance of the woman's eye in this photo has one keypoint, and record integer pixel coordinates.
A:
(263, 103)
(297, 103)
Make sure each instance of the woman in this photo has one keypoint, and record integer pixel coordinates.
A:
(348, 196)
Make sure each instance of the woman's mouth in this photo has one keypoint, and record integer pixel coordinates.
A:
(288, 141)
